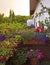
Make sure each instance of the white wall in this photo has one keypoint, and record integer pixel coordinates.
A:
(45, 3)
(38, 9)
(20, 7)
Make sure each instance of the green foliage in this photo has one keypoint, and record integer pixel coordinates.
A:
(28, 36)
(6, 19)
(2, 63)
(45, 63)
(41, 24)
(5, 49)
(20, 56)
(8, 29)
(49, 11)
(19, 38)
(1, 18)
(11, 16)
(22, 19)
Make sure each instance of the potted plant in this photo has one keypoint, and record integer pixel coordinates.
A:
(28, 37)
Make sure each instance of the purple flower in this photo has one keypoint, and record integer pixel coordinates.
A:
(41, 37)
(2, 38)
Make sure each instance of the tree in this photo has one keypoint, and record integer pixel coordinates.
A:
(1, 18)
(11, 16)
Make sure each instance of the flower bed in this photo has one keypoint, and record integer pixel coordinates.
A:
(22, 54)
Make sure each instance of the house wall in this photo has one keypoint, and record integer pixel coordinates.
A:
(45, 3)
(44, 15)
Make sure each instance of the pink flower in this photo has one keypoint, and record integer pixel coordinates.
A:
(43, 56)
(39, 54)
(28, 54)
(39, 57)
(3, 59)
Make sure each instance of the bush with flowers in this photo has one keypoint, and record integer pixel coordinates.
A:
(22, 54)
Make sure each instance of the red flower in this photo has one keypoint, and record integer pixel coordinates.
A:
(39, 29)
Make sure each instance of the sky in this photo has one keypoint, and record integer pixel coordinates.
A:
(20, 7)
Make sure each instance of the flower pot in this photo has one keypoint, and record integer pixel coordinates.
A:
(34, 61)
(32, 42)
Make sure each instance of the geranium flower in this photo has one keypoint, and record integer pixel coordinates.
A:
(39, 29)
(39, 54)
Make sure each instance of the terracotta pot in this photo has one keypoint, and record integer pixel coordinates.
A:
(34, 61)
(32, 42)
